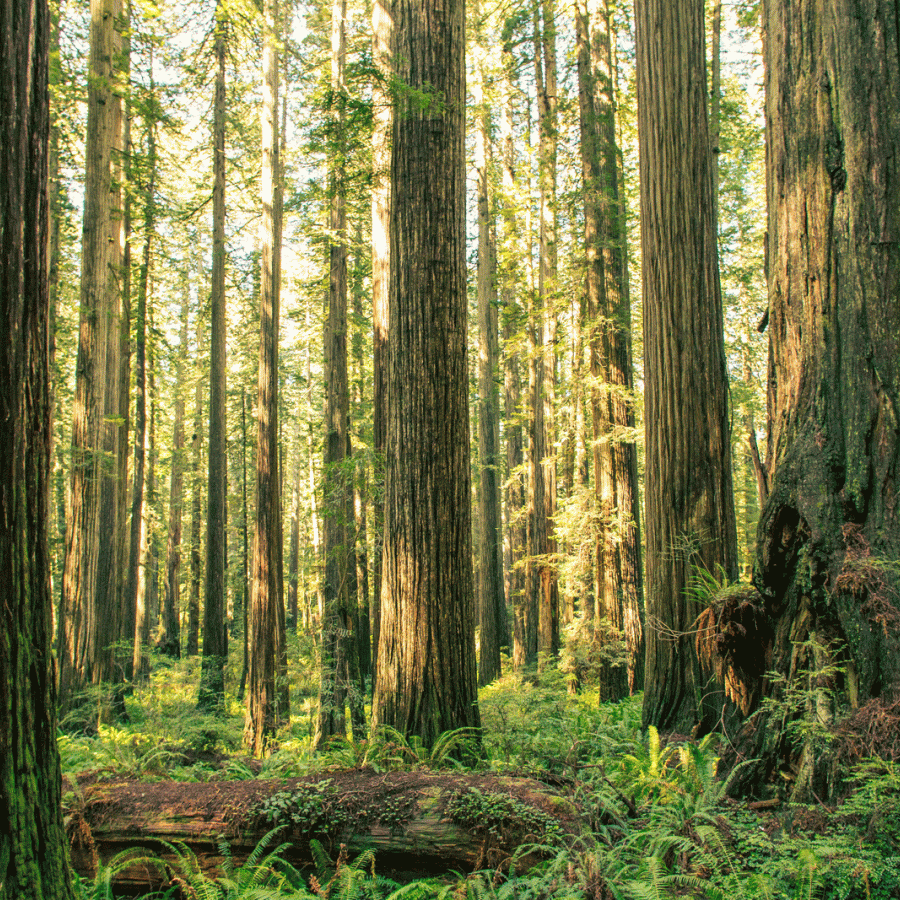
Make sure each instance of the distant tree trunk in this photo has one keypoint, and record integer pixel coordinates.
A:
(148, 615)
(265, 710)
(618, 593)
(215, 638)
(192, 647)
(340, 660)
(245, 553)
(361, 494)
(524, 637)
(134, 597)
(91, 615)
(829, 536)
(427, 674)
(381, 206)
(34, 864)
(294, 551)
(491, 594)
(689, 503)
(170, 631)
(544, 582)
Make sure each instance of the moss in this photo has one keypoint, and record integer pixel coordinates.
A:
(501, 816)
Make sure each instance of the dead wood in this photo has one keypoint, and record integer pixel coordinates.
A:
(418, 824)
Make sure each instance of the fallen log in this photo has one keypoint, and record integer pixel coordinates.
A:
(418, 824)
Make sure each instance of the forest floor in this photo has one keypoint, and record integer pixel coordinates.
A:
(571, 799)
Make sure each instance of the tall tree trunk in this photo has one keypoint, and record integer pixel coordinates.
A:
(91, 612)
(192, 647)
(294, 551)
(689, 504)
(381, 207)
(148, 615)
(134, 598)
(524, 650)
(245, 553)
(33, 859)
(361, 494)
(491, 594)
(215, 638)
(339, 649)
(426, 674)
(265, 710)
(618, 594)
(543, 379)
(829, 526)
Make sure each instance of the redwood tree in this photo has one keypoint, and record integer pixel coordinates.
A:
(33, 859)
(426, 681)
(829, 536)
(688, 490)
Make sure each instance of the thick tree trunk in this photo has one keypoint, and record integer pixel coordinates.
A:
(417, 824)
(33, 859)
(426, 681)
(215, 638)
(689, 504)
(829, 537)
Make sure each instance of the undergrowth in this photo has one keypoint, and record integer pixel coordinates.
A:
(658, 820)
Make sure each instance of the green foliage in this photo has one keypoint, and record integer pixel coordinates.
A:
(497, 815)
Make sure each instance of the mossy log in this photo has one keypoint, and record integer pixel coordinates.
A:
(418, 824)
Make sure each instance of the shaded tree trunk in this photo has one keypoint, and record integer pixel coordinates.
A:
(426, 681)
(33, 859)
(339, 650)
(689, 504)
(829, 526)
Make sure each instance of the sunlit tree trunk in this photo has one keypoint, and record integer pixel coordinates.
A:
(381, 204)
(618, 611)
(135, 593)
(426, 681)
(91, 607)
